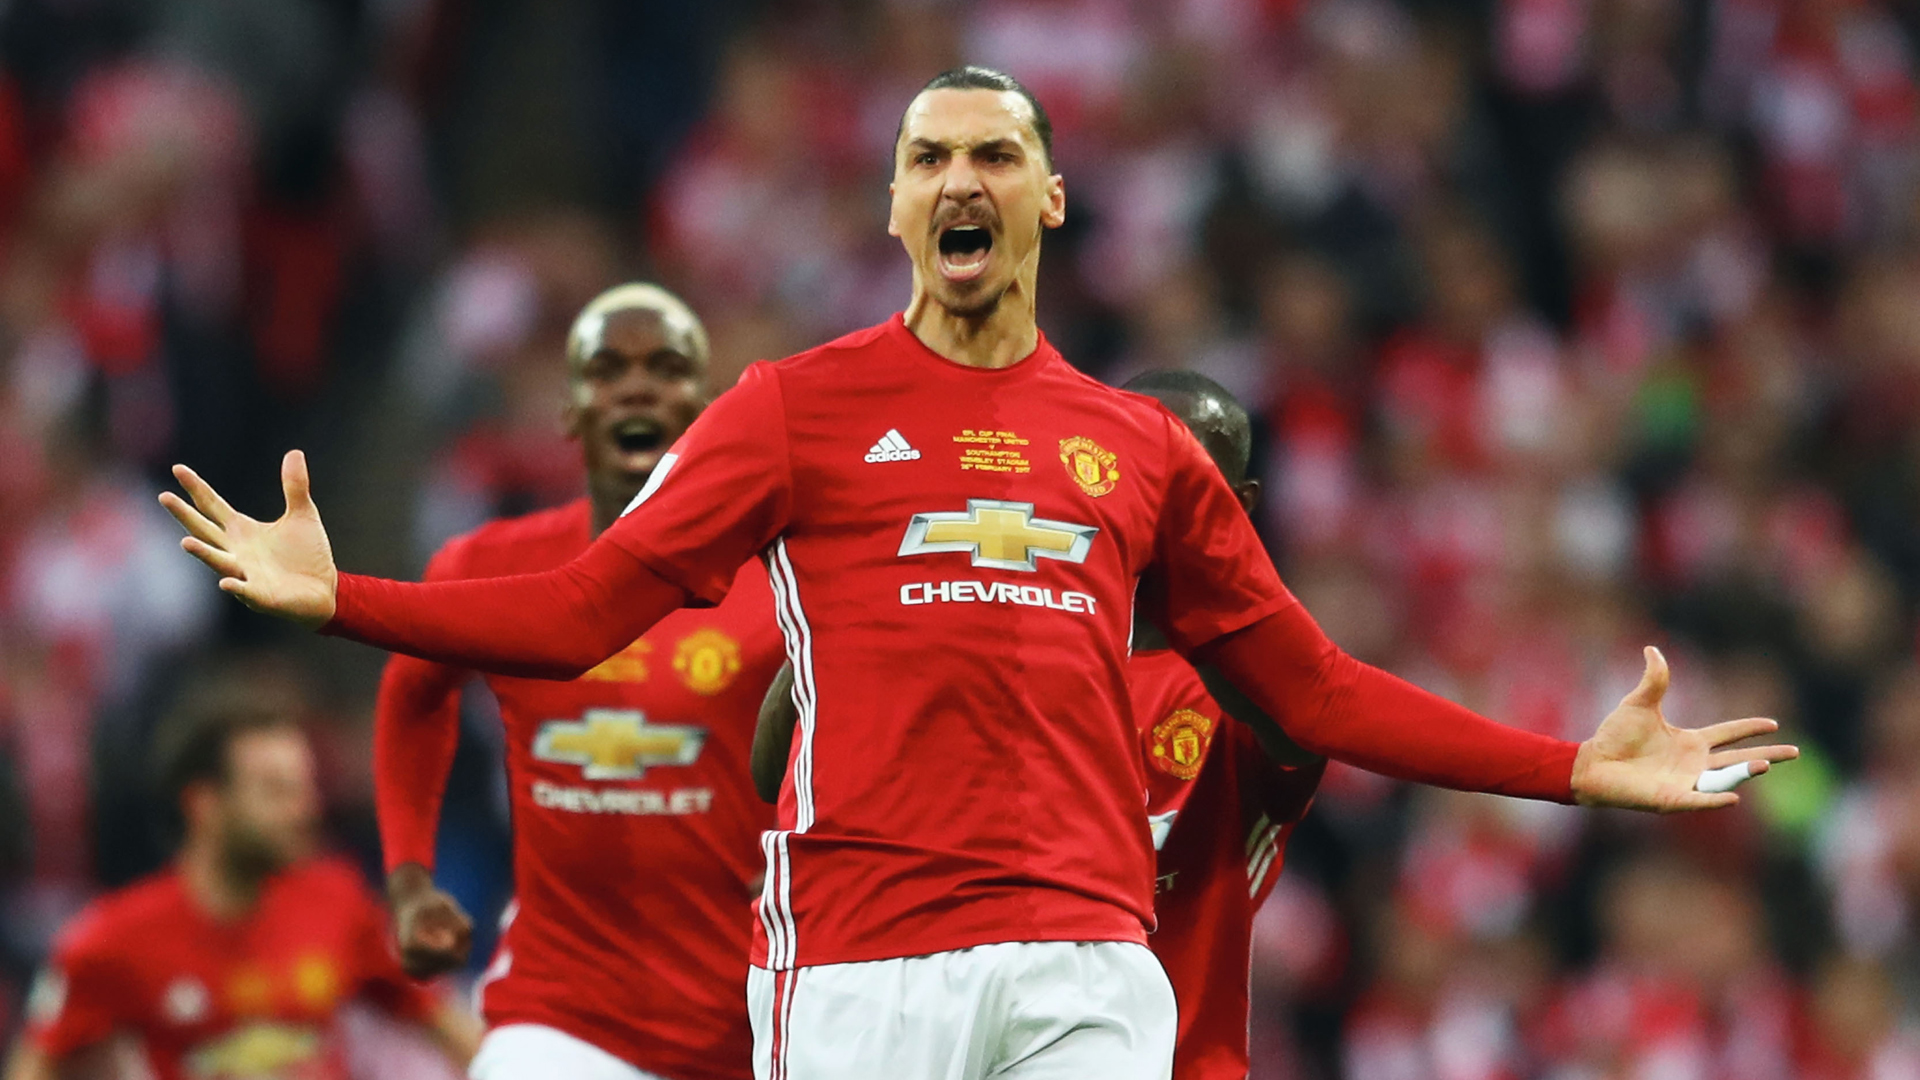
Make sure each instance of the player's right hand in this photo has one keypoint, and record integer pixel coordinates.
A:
(434, 931)
(284, 568)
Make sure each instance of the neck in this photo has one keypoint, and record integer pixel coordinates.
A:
(604, 511)
(1000, 338)
(213, 884)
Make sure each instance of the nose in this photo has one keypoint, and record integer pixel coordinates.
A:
(962, 181)
(637, 385)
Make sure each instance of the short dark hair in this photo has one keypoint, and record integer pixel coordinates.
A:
(972, 77)
(1226, 433)
(194, 744)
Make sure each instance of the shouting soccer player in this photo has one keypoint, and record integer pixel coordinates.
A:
(1222, 798)
(958, 525)
(233, 963)
(636, 839)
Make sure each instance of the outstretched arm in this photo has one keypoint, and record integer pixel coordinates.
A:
(552, 625)
(773, 736)
(1334, 705)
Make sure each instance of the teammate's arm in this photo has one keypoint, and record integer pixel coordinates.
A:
(416, 731)
(773, 736)
(729, 498)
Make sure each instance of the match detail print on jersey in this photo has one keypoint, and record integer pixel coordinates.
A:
(998, 535)
(617, 744)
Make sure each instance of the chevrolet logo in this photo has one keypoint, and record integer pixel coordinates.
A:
(1001, 535)
(617, 744)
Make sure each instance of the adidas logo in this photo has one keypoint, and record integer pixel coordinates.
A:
(892, 447)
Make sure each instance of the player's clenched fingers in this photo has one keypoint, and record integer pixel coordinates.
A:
(1732, 731)
(204, 497)
(222, 562)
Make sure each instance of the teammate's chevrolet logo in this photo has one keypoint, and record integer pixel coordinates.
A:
(1001, 535)
(617, 744)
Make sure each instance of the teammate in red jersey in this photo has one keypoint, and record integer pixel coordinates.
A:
(636, 840)
(233, 963)
(957, 525)
(1221, 799)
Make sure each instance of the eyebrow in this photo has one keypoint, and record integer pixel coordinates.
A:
(920, 143)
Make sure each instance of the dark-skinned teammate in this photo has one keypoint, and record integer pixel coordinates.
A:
(958, 527)
(636, 838)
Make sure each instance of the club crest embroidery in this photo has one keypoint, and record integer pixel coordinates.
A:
(1180, 744)
(707, 661)
(1091, 465)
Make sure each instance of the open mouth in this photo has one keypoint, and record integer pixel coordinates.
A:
(639, 435)
(963, 251)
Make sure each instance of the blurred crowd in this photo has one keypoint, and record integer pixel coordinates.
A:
(1568, 326)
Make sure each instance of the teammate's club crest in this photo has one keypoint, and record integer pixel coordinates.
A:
(1092, 466)
(707, 661)
(1180, 744)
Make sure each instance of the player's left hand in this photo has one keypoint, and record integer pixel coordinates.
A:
(1638, 761)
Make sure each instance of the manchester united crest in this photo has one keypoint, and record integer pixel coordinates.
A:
(1092, 466)
(1180, 744)
(707, 660)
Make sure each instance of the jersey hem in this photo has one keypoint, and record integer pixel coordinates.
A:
(689, 1065)
(935, 946)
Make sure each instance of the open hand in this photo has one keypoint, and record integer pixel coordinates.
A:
(434, 932)
(284, 568)
(1640, 762)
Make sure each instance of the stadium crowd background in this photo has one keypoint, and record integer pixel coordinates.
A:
(1567, 325)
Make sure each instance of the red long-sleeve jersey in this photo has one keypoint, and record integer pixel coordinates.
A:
(636, 829)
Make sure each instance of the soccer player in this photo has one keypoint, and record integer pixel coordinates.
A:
(636, 839)
(234, 962)
(1221, 799)
(958, 527)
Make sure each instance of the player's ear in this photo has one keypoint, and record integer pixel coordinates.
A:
(893, 223)
(1054, 214)
(573, 414)
(1248, 491)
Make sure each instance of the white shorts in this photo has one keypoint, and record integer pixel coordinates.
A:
(1035, 1010)
(538, 1052)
